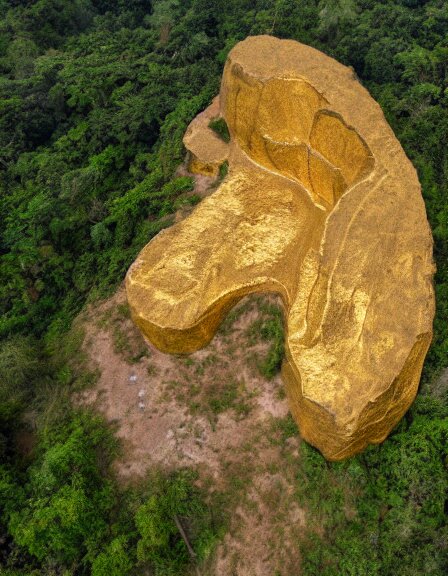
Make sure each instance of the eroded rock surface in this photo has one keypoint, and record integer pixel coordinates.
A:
(321, 205)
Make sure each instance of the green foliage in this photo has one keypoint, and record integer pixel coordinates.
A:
(222, 396)
(95, 97)
(66, 495)
(173, 501)
(70, 513)
(219, 126)
(18, 365)
(282, 429)
(269, 327)
(383, 511)
(89, 144)
(223, 170)
(273, 330)
(115, 560)
(19, 370)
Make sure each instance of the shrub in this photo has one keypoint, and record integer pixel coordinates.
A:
(219, 126)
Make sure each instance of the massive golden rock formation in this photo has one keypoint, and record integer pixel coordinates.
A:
(320, 205)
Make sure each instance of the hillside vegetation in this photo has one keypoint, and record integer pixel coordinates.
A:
(95, 96)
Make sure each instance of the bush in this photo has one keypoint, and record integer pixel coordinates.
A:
(173, 501)
(219, 126)
(65, 516)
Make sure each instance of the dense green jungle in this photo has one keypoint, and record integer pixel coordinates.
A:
(95, 96)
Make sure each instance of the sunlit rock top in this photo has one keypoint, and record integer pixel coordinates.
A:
(321, 205)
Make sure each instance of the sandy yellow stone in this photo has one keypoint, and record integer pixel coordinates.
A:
(206, 149)
(322, 206)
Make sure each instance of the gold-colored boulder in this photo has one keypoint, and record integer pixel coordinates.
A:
(320, 205)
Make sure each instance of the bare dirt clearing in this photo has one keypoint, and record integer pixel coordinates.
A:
(212, 411)
(178, 410)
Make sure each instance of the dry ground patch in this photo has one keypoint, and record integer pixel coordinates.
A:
(213, 411)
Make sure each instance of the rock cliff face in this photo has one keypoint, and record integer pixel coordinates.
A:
(320, 205)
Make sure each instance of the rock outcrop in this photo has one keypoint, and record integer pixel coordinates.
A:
(322, 206)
